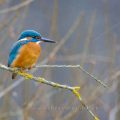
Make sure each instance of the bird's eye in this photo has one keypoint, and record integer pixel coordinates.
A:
(37, 37)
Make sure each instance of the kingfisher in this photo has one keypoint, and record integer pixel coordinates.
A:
(25, 52)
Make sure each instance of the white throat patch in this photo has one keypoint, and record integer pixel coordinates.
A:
(23, 39)
(38, 42)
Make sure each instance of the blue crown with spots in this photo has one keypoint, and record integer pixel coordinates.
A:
(29, 33)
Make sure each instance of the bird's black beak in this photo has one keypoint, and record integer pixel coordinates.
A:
(46, 40)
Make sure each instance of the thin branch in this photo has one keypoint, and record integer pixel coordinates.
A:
(16, 7)
(73, 66)
(74, 90)
(56, 66)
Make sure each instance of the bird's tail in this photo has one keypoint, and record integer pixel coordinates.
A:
(14, 75)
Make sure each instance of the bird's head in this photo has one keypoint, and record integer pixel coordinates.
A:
(35, 36)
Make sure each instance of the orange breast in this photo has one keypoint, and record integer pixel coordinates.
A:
(27, 56)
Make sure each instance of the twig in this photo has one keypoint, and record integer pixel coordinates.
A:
(74, 90)
(72, 66)
(56, 66)
(16, 7)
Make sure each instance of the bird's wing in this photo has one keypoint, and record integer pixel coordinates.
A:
(13, 52)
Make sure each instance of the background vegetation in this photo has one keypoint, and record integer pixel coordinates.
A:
(87, 33)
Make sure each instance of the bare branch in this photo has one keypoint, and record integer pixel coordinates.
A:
(74, 90)
(73, 66)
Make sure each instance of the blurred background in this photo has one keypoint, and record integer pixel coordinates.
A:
(87, 33)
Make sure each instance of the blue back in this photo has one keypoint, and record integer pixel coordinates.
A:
(16, 46)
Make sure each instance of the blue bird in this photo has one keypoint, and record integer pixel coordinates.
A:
(25, 52)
